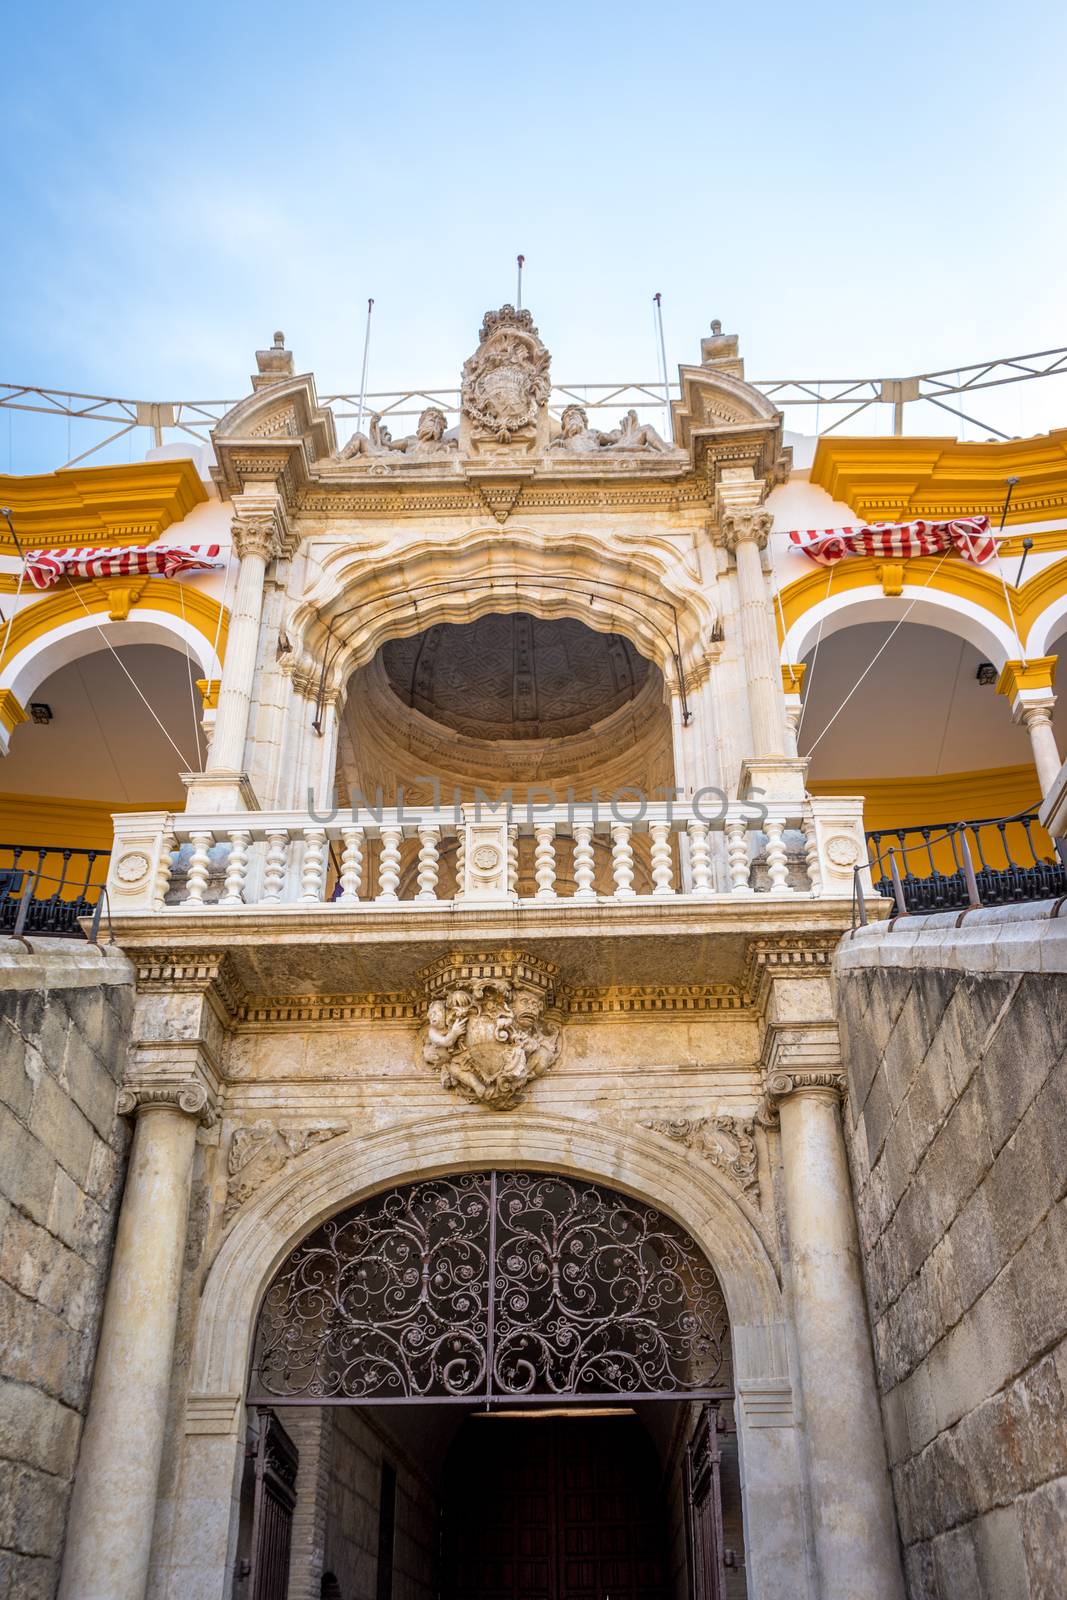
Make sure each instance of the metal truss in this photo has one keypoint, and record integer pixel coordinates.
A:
(847, 396)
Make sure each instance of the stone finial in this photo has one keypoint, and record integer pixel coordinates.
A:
(720, 350)
(273, 364)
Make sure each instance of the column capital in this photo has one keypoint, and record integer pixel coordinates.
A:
(744, 525)
(800, 1058)
(259, 533)
(187, 1096)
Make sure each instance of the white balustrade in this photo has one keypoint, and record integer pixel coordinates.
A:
(831, 831)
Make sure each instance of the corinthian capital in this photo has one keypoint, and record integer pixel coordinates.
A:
(190, 1097)
(257, 535)
(745, 525)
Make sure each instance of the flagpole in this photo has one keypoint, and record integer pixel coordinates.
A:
(518, 293)
(363, 375)
(663, 361)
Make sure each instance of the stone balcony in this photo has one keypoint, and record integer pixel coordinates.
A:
(360, 902)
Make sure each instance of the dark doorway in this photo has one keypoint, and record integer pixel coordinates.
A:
(553, 1508)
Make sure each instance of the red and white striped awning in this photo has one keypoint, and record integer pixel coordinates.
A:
(968, 536)
(44, 568)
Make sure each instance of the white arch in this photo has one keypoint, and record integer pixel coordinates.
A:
(202, 1543)
(1047, 627)
(932, 608)
(73, 638)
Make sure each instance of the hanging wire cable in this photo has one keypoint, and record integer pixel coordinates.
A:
(879, 652)
(1011, 482)
(182, 757)
(189, 670)
(815, 656)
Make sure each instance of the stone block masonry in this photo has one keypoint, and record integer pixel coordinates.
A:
(64, 1023)
(956, 1045)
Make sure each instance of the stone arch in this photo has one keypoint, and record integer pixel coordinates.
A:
(352, 1169)
(201, 1544)
(932, 608)
(1046, 628)
(635, 585)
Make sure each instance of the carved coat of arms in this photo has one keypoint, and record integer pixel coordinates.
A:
(489, 1038)
(505, 382)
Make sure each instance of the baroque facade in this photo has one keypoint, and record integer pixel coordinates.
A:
(478, 1030)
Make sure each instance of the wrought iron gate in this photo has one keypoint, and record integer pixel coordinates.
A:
(493, 1285)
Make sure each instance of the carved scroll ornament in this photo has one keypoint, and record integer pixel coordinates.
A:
(726, 1142)
(260, 1150)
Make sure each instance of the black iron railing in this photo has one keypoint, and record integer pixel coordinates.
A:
(949, 866)
(45, 889)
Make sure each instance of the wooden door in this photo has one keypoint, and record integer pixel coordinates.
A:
(553, 1509)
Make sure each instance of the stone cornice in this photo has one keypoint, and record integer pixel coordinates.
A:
(208, 973)
(131, 504)
(418, 498)
(794, 956)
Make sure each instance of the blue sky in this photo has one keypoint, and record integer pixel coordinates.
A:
(854, 189)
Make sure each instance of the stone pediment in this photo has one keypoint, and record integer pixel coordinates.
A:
(722, 419)
(280, 431)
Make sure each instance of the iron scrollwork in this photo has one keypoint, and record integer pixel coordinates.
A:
(493, 1285)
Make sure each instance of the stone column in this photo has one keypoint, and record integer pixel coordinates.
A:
(255, 541)
(745, 533)
(1028, 685)
(109, 1530)
(856, 1548)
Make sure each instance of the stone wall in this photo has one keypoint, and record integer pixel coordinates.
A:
(64, 1020)
(955, 1045)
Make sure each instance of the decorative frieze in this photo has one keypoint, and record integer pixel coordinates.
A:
(725, 1142)
(260, 1150)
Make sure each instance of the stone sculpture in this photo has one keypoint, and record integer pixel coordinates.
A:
(630, 437)
(431, 438)
(489, 1041)
(724, 1141)
(505, 382)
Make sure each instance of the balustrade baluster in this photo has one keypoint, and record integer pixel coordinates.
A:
(662, 865)
(461, 859)
(429, 838)
(583, 862)
(351, 865)
(777, 859)
(389, 865)
(199, 867)
(699, 859)
(313, 868)
(274, 866)
(167, 845)
(622, 860)
(513, 858)
(545, 860)
(738, 857)
(233, 890)
(811, 854)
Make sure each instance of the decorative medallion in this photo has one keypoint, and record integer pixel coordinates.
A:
(505, 382)
(132, 867)
(491, 1026)
(843, 850)
(486, 858)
